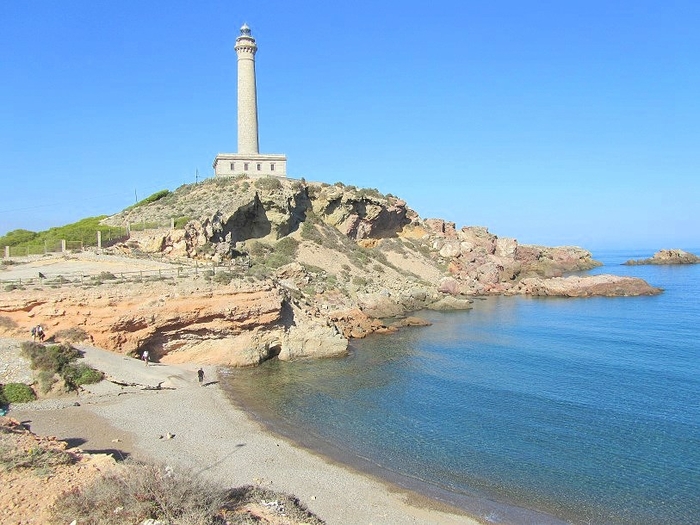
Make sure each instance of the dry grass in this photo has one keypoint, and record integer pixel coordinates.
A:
(142, 491)
(36, 456)
(139, 492)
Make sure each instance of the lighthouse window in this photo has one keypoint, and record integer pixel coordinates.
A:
(259, 166)
(272, 166)
(245, 166)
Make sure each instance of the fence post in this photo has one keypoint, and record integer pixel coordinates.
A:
(99, 240)
(7, 251)
(63, 246)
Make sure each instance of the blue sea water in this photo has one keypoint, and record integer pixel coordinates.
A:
(522, 410)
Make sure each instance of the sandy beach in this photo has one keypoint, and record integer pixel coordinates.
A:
(138, 407)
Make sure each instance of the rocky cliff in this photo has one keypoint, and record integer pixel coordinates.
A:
(294, 269)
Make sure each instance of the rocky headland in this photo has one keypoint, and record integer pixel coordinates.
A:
(667, 257)
(265, 268)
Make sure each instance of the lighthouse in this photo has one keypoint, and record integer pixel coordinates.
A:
(248, 160)
(247, 93)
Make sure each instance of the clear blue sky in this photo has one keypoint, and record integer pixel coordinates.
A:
(554, 122)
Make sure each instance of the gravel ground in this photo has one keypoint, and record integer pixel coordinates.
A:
(13, 367)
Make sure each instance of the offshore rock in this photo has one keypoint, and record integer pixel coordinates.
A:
(595, 285)
(667, 257)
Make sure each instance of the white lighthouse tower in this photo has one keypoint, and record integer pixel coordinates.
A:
(248, 160)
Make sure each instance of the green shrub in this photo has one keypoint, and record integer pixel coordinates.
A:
(3, 400)
(370, 192)
(268, 183)
(223, 278)
(181, 222)
(11, 287)
(52, 358)
(151, 198)
(18, 393)
(275, 260)
(80, 374)
(287, 246)
(256, 248)
(17, 237)
(46, 381)
(310, 232)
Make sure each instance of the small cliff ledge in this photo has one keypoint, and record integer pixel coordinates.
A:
(667, 257)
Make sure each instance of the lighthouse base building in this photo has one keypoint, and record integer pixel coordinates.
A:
(233, 164)
(248, 161)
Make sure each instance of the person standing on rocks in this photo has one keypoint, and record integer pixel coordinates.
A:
(200, 376)
(145, 357)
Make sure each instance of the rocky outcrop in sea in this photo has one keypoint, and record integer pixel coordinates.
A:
(667, 257)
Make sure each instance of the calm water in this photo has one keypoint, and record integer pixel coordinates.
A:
(520, 410)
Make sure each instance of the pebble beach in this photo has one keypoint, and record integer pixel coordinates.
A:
(162, 413)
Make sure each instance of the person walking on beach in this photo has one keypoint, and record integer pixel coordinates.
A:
(200, 376)
(145, 357)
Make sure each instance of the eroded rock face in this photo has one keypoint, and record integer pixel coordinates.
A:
(667, 257)
(226, 325)
(361, 214)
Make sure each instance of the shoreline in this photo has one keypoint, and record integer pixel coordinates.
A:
(426, 494)
(217, 439)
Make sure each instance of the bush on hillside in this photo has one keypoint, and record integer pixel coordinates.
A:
(46, 380)
(287, 246)
(151, 198)
(268, 183)
(223, 277)
(181, 222)
(17, 237)
(59, 360)
(18, 393)
(84, 230)
(52, 358)
(80, 374)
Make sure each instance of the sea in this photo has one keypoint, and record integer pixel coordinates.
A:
(519, 411)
